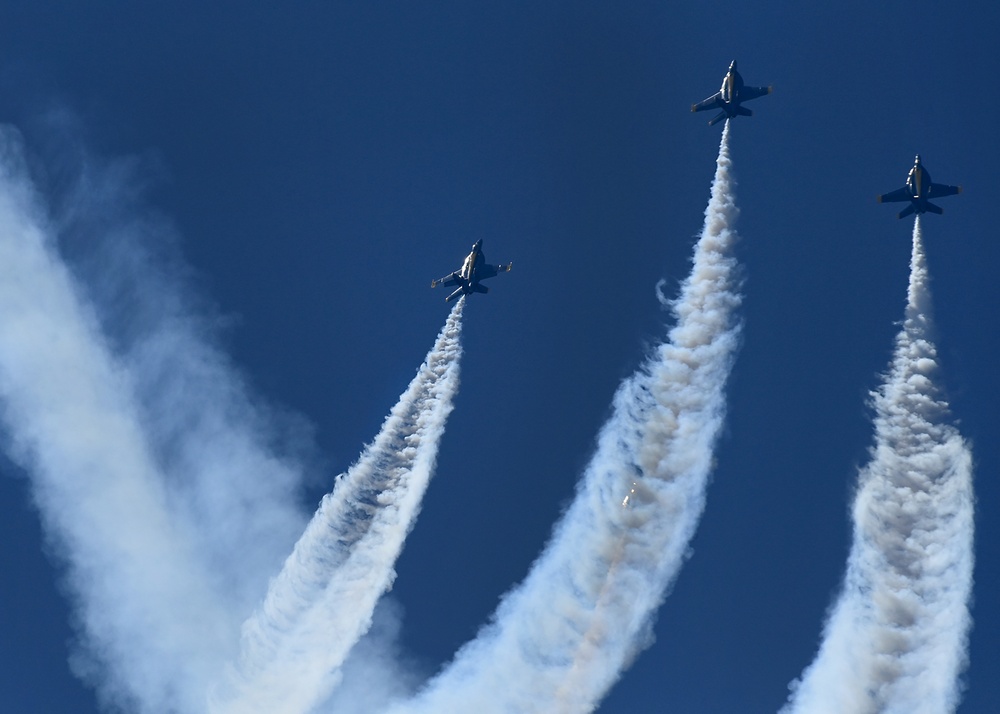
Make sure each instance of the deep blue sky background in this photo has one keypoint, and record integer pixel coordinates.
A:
(322, 162)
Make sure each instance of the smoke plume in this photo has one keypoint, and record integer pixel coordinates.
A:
(322, 601)
(896, 639)
(561, 638)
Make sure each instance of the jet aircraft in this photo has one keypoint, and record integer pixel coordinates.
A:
(473, 270)
(729, 98)
(918, 190)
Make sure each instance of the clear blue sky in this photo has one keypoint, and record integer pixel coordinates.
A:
(321, 162)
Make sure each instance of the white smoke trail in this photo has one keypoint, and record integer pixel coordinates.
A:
(561, 639)
(896, 639)
(195, 472)
(154, 632)
(232, 465)
(321, 603)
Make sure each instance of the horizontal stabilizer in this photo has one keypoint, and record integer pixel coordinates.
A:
(454, 295)
(907, 211)
(744, 112)
(480, 288)
(717, 118)
(934, 209)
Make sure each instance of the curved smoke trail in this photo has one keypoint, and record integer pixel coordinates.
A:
(321, 603)
(896, 639)
(561, 639)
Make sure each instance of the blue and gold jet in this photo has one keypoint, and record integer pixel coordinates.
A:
(730, 97)
(474, 269)
(919, 189)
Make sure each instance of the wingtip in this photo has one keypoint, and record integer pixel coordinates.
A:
(878, 198)
(434, 283)
(960, 189)
(694, 107)
(770, 89)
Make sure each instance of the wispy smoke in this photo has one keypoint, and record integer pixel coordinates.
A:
(896, 639)
(561, 639)
(322, 601)
(232, 465)
(166, 487)
(145, 603)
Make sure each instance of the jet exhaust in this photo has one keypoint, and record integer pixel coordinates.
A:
(321, 603)
(896, 638)
(560, 640)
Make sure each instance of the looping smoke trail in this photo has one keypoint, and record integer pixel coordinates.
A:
(321, 603)
(897, 636)
(153, 632)
(561, 639)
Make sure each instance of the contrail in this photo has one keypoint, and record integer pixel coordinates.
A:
(896, 639)
(560, 640)
(321, 603)
(153, 629)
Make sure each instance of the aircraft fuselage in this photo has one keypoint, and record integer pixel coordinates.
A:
(731, 86)
(917, 180)
(468, 269)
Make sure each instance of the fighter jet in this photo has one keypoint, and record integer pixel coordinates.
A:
(729, 98)
(473, 270)
(918, 190)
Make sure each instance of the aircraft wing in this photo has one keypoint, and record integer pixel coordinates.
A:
(489, 271)
(939, 189)
(900, 194)
(754, 92)
(486, 271)
(710, 103)
(447, 280)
